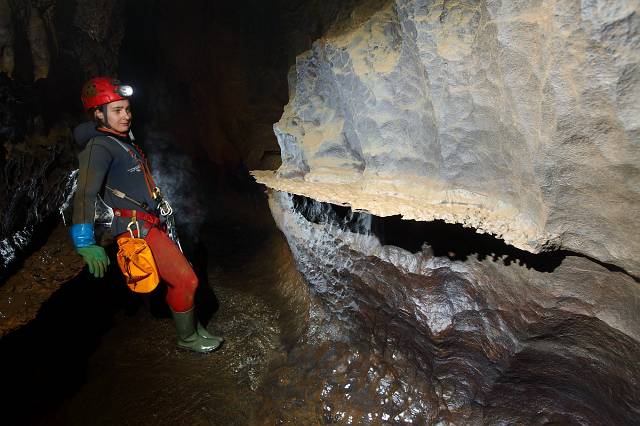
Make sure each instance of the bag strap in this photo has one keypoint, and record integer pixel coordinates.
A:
(142, 161)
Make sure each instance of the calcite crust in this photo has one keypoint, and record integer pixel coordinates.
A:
(519, 118)
(420, 200)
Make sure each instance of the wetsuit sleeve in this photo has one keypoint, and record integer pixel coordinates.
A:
(95, 161)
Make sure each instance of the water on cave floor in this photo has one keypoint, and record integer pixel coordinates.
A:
(305, 352)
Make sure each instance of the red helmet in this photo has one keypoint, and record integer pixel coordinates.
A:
(102, 90)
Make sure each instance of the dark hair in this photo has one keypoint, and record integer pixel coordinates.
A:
(91, 113)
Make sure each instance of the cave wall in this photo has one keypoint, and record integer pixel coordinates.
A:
(516, 118)
(418, 338)
(218, 80)
(48, 49)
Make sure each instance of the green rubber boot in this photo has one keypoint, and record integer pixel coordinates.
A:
(188, 337)
(203, 332)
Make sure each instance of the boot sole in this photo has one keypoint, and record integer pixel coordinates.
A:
(187, 348)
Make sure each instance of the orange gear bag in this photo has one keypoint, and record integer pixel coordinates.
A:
(137, 264)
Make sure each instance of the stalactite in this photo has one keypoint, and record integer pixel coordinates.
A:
(39, 44)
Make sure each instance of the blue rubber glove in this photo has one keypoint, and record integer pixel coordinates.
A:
(94, 255)
(82, 235)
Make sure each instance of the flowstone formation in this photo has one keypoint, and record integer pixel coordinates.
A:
(518, 118)
(407, 337)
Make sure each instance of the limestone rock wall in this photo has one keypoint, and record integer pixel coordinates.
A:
(517, 118)
(417, 338)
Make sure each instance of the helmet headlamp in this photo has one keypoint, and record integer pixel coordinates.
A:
(124, 90)
(103, 90)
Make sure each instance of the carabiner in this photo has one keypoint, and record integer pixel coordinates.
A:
(165, 208)
(134, 222)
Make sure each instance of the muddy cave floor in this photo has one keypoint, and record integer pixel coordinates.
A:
(97, 354)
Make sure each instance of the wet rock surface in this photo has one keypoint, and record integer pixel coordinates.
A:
(514, 118)
(470, 342)
(35, 171)
(40, 275)
(373, 334)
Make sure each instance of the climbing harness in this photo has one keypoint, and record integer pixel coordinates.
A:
(150, 220)
(164, 207)
(141, 159)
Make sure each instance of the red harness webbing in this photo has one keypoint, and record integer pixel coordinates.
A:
(149, 219)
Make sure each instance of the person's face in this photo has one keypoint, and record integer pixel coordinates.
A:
(118, 115)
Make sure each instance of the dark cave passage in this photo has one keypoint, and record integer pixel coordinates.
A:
(331, 316)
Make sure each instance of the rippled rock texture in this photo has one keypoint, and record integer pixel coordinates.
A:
(404, 336)
(36, 170)
(518, 118)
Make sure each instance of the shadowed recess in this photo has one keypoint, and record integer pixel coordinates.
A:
(445, 239)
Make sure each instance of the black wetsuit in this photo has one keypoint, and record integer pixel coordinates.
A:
(105, 162)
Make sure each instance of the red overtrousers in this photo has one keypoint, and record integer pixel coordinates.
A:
(174, 269)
